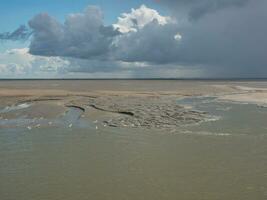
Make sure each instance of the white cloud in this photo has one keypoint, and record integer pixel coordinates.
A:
(19, 62)
(138, 18)
(178, 37)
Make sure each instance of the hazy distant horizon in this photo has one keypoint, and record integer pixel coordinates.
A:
(178, 79)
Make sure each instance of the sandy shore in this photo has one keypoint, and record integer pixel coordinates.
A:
(250, 95)
(146, 104)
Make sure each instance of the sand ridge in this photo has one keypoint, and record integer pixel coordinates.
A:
(117, 107)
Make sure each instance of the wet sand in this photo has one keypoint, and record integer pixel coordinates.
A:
(122, 103)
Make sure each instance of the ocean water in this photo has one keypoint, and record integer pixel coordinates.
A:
(86, 164)
(220, 159)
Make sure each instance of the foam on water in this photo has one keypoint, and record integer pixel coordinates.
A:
(227, 117)
(15, 107)
(72, 117)
(207, 133)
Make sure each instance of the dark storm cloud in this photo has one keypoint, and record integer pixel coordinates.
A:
(230, 41)
(21, 33)
(154, 43)
(82, 35)
(196, 9)
(233, 40)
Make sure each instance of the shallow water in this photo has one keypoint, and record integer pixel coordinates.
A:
(81, 163)
(14, 108)
(72, 117)
(130, 164)
(229, 118)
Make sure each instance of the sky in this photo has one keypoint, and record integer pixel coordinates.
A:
(133, 39)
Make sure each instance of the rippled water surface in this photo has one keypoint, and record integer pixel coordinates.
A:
(81, 163)
(229, 118)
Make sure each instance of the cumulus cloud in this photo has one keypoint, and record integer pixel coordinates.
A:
(95, 47)
(138, 18)
(19, 63)
(228, 42)
(82, 35)
(153, 43)
(147, 37)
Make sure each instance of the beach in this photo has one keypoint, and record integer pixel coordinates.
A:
(145, 104)
(133, 139)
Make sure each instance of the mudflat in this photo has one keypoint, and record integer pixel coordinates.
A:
(125, 103)
(126, 139)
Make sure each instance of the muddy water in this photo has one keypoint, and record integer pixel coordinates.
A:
(228, 118)
(215, 160)
(70, 118)
(130, 164)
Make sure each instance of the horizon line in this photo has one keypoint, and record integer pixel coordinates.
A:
(190, 79)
